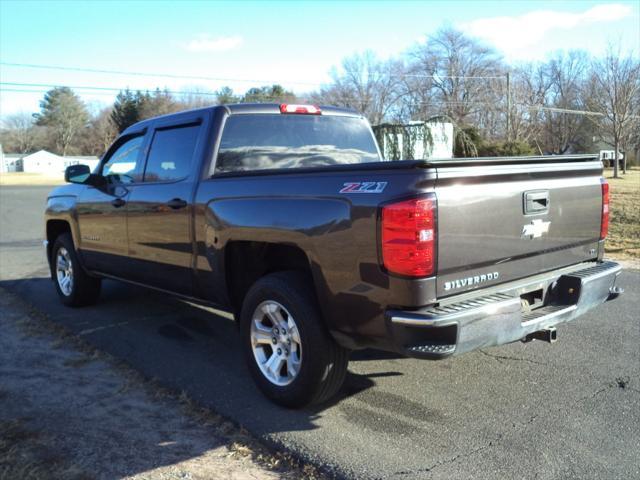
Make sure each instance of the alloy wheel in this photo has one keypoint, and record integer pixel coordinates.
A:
(275, 341)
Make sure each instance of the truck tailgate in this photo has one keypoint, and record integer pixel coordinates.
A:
(503, 220)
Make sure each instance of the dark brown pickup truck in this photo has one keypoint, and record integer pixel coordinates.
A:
(287, 216)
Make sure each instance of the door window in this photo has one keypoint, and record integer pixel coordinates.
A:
(171, 153)
(121, 167)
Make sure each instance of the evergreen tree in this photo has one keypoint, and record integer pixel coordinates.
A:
(268, 94)
(64, 114)
(126, 110)
(161, 102)
(225, 95)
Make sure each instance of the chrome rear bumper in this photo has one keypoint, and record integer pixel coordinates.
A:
(498, 318)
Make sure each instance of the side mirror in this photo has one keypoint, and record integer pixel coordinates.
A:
(77, 173)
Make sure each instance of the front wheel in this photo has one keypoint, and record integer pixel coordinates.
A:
(74, 286)
(291, 355)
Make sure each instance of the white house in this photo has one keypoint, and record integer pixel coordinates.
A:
(44, 163)
(10, 162)
(608, 156)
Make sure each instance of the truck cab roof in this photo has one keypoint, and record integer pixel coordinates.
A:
(237, 109)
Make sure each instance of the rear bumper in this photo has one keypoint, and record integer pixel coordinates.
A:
(496, 318)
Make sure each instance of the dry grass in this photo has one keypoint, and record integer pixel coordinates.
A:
(624, 224)
(21, 178)
(239, 443)
(26, 455)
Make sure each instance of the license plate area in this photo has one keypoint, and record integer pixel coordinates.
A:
(532, 300)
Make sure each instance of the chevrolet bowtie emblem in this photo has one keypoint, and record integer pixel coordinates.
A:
(535, 229)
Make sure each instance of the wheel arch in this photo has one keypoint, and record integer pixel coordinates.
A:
(248, 261)
(55, 228)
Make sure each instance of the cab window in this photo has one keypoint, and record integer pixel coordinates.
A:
(171, 153)
(265, 141)
(122, 165)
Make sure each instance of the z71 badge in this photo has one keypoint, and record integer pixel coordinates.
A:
(363, 187)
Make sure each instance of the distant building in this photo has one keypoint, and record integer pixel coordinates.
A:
(10, 162)
(415, 140)
(606, 151)
(43, 162)
(608, 156)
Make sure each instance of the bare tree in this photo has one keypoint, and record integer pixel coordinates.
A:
(463, 74)
(529, 87)
(367, 84)
(197, 97)
(21, 132)
(101, 133)
(615, 86)
(566, 75)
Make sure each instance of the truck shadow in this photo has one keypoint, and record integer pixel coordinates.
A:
(187, 348)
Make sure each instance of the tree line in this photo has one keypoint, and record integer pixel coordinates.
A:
(65, 125)
(564, 104)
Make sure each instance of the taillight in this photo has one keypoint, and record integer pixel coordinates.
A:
(301, 109)
(604, 223)
(408, 237)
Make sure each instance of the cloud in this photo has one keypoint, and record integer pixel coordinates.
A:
(205, 43)
(513, 34)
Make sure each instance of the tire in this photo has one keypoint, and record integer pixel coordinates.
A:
(74, 286)
(315, 366)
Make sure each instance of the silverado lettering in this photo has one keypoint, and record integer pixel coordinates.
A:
(469, 281)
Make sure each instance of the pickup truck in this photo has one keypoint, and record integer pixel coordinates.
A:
(288, 217)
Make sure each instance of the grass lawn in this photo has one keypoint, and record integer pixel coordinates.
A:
(624, 223)
(21, 178)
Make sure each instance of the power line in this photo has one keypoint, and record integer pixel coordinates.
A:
(525, 105)
(40, 88)
(111, 89)
(222, 79)
(97, 90)
(149, 74)
(436, 76)
(563, 110)
(103, 90)
(40, 92)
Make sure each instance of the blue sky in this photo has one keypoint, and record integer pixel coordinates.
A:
(256, 43)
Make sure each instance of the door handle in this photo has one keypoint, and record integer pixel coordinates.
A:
(536, 202)
(118, 202)
(177, 203)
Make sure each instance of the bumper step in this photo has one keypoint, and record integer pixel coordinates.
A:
(499, 318)
(550, 311)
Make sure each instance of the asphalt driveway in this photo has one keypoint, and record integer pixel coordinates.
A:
(567, 410)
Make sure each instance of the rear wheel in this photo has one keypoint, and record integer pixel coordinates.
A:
(74, 286)
(291, 355)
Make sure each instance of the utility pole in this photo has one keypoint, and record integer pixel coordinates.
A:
(508, 106)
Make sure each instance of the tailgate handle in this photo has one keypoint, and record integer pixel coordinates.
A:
(536, 202)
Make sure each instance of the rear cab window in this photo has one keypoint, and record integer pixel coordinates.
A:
(171, 153)
(270, 141)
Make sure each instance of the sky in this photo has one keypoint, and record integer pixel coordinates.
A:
(244, 44)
